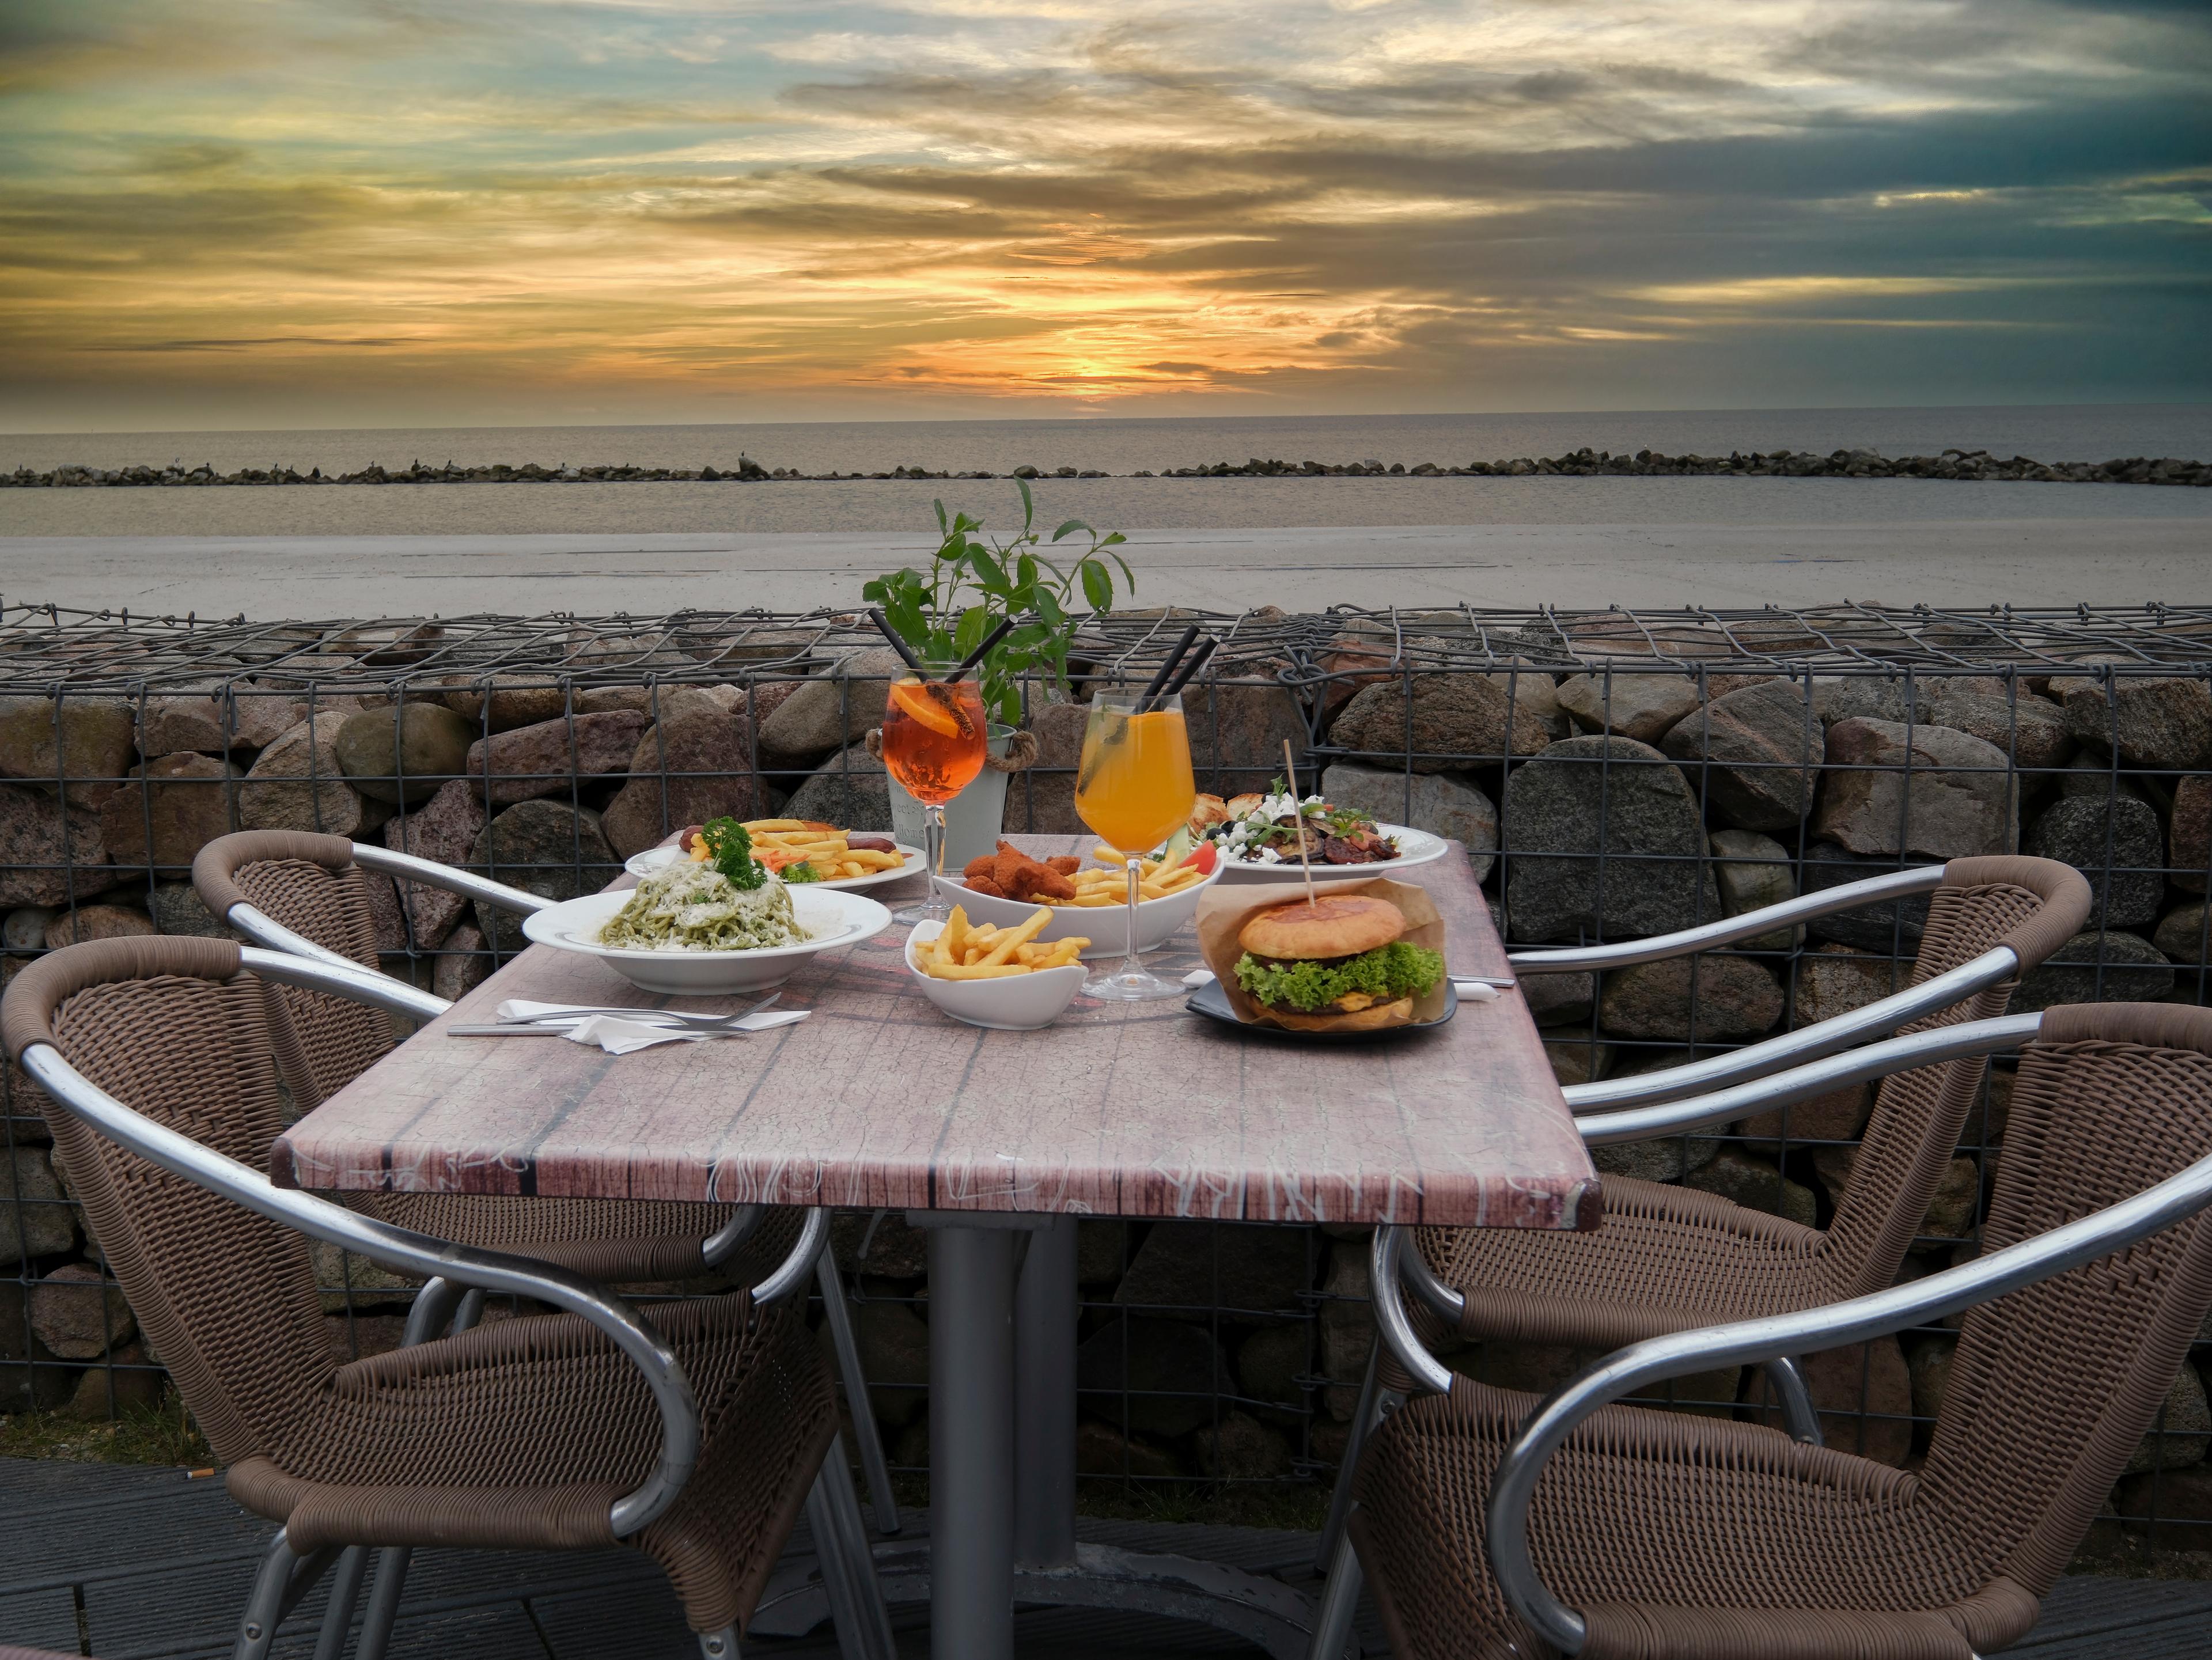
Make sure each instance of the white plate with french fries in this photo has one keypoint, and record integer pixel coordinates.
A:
(1009, 979)
(1168, 899)
(779, 843)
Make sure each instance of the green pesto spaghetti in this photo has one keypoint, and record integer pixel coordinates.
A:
(691, 906)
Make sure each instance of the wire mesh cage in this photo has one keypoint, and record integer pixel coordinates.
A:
(1611, 774)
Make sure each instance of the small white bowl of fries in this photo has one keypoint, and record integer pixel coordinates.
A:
(1167, 899)
(1004, 978)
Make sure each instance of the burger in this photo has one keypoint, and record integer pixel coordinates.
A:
(1335, 965)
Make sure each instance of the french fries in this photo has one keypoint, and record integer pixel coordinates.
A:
(1155, 879)
(780, 843)
(968, 950)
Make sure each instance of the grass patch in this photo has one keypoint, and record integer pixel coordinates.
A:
(138, 1435)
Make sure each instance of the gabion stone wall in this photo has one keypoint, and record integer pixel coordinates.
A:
(1612, 775)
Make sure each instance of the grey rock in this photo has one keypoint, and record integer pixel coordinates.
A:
(403, 754)
(1928, 1364)
(213, 723)
(2097, 968)
(1756, 1185)
(2117, 845)
(35, 1220)
(1239, 1448)
(2031, 730)
(1347, 1326)
(2096, 776)
(26, 928)
(1754, 872)
(344, 1277)
(1838, 1115)
(50, 852)
(2161, 722)
(1270, 1362)
(1654, 1161)
(707, 754)
(1834, 979)
(82, 745)
(298, 782)
(1437, 802)
(1757, 752)
(1691, 1000)
(75, 1316)
(545, 848)
(2191, 828)
(88, 922)
(1927, 790)
(848, 788)
(185, 802)
(1559, 1000)
(2181, 935)
(130, 1385)
(830, 710)
(1102, 1449)
(461, 966)
(1639, 706)
(1893, 924)
(1173, 1371)
(551, 756)
(1562, 808)
(514, 700)
(178, 909)
(1193, 1267)
(25, 1385)
(1238, 731)
(443, 829)
(2182, 1434)
(1579, 1060)
(1455, 719)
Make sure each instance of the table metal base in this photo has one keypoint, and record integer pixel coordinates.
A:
(1003, 1307)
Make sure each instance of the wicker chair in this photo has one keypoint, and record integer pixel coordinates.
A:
(1668, 1258)
(696, 1439)
(1672, 1537)
(291, 891)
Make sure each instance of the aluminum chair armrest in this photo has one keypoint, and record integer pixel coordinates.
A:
(489, 1271)
(1895, 885)
(431, 874)
(1793, 1049)
(325, 972)
(1835, 1071)
(1752, 1342)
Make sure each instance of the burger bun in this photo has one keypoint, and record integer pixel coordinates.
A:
(1376, 1017)
(1337, 925)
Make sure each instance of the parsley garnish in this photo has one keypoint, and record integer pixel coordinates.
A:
(729, 850)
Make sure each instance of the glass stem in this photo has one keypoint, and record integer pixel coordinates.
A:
(1130, 966)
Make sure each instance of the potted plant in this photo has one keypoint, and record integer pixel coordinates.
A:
(942, 613)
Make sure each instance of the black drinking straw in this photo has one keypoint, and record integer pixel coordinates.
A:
(1167, 668)
(1190, 668)
(883, 627)
(983, 650)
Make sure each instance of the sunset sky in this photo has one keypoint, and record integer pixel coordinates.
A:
(262, 212)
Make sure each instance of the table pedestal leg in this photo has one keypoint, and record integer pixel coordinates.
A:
(1045, 1313)
(972, 1443)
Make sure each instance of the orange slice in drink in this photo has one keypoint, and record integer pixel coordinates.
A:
(913, 697)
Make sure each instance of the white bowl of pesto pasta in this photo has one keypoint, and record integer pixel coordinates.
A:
(712, 959)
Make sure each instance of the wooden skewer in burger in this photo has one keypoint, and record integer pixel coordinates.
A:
(1333, 964)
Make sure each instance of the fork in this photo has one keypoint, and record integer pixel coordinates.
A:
(552, 1020)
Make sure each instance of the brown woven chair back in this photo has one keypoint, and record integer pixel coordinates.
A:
(2052, 1388)
(171, 1027)
(310, 885)
(2032, 905)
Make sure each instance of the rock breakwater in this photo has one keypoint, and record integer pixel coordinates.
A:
(1971, 465)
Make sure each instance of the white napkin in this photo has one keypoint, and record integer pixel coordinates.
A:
(1470, 991)
(619, 1037)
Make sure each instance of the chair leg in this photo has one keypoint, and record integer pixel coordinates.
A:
(1799, 1416)
(718, 1645)
(1339, 1603)
(1340, 1499)
(848, 1567)
(286, 1576)
(345, 1592)
(870, 1439)
(383, 1601)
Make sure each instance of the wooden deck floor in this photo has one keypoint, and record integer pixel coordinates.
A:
(138, 1564)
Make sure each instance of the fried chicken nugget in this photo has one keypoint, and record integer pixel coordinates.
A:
(1065, 863)
(983, 868)
(985, 886)
(1043, 882)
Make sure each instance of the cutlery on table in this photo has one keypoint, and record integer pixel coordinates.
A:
(553, 1020)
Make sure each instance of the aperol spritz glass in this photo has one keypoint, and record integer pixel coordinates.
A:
(934, 738)
(1134, 786)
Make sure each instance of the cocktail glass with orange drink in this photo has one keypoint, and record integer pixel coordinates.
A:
(933, 744)
(1134, 787)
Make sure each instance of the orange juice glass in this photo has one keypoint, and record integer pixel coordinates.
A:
(1134, 786)
(934, 738)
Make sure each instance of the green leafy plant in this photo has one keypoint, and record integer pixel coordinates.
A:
(973, 583)
(730, 850)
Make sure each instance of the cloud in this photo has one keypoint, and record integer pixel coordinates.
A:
(681, 210)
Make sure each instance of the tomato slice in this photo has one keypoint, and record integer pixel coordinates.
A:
(913, 698)
(1205, 856)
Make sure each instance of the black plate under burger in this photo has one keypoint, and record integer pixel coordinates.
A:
(1210, 1001)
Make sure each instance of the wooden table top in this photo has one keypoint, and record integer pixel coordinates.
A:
(878, 1100)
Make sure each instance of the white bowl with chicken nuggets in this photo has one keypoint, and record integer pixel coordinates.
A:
(1008, 979)
(1090, 899)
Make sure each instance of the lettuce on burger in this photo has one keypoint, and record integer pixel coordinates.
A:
(1335, 963)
